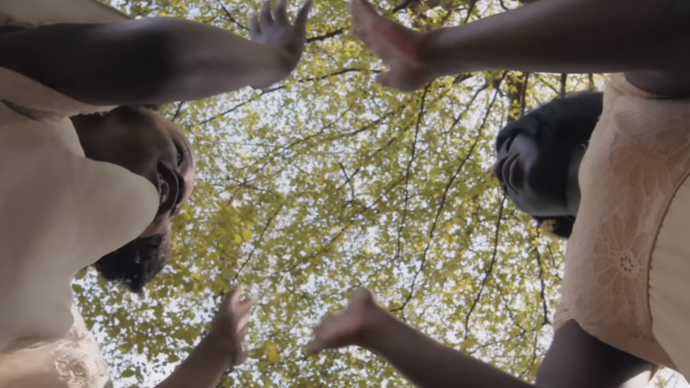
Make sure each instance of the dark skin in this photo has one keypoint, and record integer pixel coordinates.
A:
(154, 61)
(646, 39)
(574, 360)
(157, 60)
(152, 148)
(541, 179)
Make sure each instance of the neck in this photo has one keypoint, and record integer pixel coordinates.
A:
(572, 185)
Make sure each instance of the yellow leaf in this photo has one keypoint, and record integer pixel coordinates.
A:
(256, 353)
(273, 356)
(247, 234)
(238, 239)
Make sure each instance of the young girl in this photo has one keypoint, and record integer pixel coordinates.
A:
(91, 176)
(611, 175)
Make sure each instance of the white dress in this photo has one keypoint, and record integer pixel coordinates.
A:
(59, 213)
(627, 265)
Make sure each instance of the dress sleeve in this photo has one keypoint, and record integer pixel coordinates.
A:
(623, 87)
(59, 211)
(562, 315)
(40, 102)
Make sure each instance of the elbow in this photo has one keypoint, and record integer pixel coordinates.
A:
(152, 62)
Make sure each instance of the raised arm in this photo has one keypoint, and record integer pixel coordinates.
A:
(156, 60)
(646, 37)
(575, 359)
(220, 350)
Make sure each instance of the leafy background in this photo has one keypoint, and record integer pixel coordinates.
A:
(326, 182)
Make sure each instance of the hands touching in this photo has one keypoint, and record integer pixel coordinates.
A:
(272, 28)
(398, 46)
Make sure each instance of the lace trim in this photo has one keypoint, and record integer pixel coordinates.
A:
(78, 362)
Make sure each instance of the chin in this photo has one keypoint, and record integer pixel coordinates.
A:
(540, 205)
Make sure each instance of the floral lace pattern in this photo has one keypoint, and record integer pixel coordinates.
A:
(621, 245)
(78, 360)
(638, 157)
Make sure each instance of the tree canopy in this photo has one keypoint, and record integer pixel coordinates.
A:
(327, 182)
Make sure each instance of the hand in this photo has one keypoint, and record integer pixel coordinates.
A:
(273, 29)
(350, 327)
(398, 46)
(230, 324)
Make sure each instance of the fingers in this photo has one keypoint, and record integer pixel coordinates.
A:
(317, 345)
(314, 347)
(265, 14)
(254, 27)
(303, 15)
(241, 356)
(245, 306)
(280, 12)
(242, 332)
(278, 15)
(233, 297)
(362, 11)
(243, 320)
(233, 302)
(391, 79)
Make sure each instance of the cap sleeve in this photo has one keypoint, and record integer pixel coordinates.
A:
(114, 205)
(562, 315)
(40, 102)
(620, 83)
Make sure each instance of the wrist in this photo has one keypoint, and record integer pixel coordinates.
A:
(433, 54)
(278, 68)
(219, 347)
(377, 325)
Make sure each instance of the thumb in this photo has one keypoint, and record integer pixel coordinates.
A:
(314, 347)
(386, 79)
(400, 78)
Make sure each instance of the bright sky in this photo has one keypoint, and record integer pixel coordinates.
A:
(676, 380)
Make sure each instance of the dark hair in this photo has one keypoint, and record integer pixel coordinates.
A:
(569, 119)
(138, 262)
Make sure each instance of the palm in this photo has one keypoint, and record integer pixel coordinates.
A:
(273, 28)
(345, 328)
(396, 45)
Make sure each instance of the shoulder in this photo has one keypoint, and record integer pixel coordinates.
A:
(113, 204)
(77, 208)
(659, 85)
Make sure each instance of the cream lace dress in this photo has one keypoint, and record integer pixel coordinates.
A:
(59, 213)
(627, 271)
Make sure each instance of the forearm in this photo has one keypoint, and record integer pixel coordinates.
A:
(566, 36)
(147, 61)
(427, 363)
(203, 368)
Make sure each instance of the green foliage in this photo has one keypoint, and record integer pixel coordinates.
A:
(327, 182)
